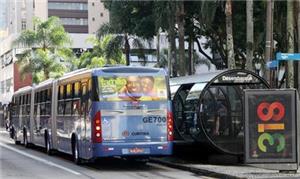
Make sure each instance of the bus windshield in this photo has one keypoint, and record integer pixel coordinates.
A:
(132, 88)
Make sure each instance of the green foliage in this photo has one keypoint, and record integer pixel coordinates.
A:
(47, 49)
(163, 61)
(43, 64)
(105, 52)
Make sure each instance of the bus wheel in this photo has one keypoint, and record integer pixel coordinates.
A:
(11, 133)
(15, 137)
(25, 139)
(48, 148)
(75, 152)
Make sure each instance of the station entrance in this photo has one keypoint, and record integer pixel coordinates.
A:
(208, 108)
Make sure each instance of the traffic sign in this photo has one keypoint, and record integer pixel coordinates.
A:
(288, 56)
(272, 64)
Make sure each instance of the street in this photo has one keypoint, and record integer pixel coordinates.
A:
(16, 161)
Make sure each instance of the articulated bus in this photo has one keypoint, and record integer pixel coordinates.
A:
(105, 112)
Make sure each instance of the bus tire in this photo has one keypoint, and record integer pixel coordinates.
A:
(25, 138)
(75, 152)
(12, 133)
(48, 145)
(15, 137)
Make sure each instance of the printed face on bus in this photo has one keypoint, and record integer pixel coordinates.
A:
(133, 84)
(147, 84)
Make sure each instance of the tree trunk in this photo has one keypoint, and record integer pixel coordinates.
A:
(290, 43)
(298, 26)
(269, 37)
(172, 59)
(180, 22)
(191, 55)
(158, 46)
(229, 39)
(127, 50)
(250, 41)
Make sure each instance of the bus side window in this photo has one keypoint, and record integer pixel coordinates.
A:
(76, 99)
(84, 98)
(89, 95)
(43, 105)
(35, 103)
(68, 101)
(61, 105)
(48, 101)
(28, 104)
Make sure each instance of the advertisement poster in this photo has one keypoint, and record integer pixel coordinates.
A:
(133, 88)
(270, 126)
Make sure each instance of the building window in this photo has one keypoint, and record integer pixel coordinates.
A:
(2, 87)
(23, 27)
(93, 4)
(93, 18)
(8, 85)
(68, 6)
(101, 14)
(74, 21)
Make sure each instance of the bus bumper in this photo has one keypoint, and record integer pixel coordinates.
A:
(109, 149)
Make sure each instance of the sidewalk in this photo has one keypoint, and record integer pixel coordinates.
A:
(224, 171)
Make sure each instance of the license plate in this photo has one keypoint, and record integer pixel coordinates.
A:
(136, 150)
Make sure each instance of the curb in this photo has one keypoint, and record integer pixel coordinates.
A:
(204, 172)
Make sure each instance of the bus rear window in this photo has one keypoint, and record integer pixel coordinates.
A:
(132, 88)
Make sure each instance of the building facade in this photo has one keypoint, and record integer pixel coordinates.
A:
(81, 19)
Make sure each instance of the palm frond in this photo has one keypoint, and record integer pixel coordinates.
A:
(104, 30)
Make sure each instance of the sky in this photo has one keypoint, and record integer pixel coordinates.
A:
(2, 14)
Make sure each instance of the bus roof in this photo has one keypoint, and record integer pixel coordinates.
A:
(23, 90)
(75, 75)
(121, 70)
(44, 83)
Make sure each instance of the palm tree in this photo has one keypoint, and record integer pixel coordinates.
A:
(47, 49)
(229, 41)
(120, 40)
(250, 31)
(298, 34)
(180, 22)
(290, 44)
(104, 52)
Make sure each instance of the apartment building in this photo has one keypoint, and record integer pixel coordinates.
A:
(81, 18)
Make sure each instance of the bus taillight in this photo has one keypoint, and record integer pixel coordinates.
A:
(97, 134)
(170, 126)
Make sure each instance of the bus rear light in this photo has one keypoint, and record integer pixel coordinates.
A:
(170, 127)
(97, 137)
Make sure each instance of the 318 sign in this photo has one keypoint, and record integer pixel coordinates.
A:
(271, 124)
(270, 133)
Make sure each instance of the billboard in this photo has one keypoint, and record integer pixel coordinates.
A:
(270, 126)
(132, 88)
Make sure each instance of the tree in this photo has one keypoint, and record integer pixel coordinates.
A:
(250, 32)
(180, 22)
(47, 49)
(165, 19)
(290, 47)
(163, 61)
(104, 52)
(130, 21)
(229, 41)
(298, 43)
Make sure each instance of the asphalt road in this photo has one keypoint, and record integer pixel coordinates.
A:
(16, 161)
